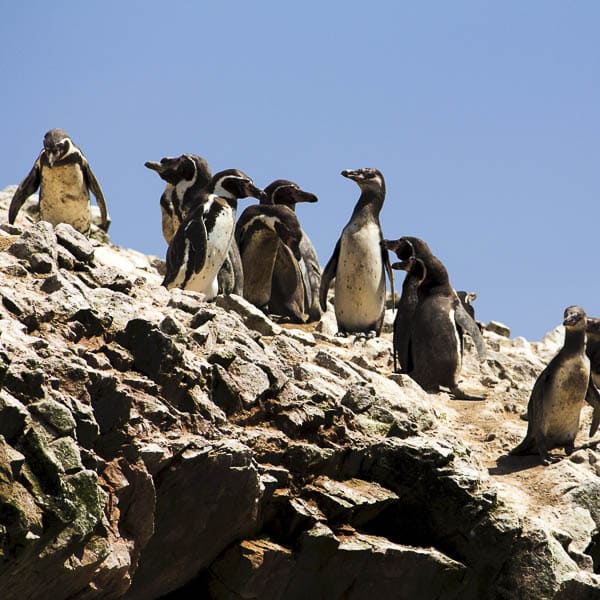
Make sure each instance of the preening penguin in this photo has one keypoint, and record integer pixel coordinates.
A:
(288, 193)
(186, 176)
(269, 238)
(559, 394)
(203, 239)
(431, 339)
(359, 262)
(65, 179)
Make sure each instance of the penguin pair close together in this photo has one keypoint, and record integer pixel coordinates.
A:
(269, 260)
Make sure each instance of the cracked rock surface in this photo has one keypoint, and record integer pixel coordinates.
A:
(156, 445)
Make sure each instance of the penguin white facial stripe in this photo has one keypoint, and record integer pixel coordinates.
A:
(221, 191)
(282, 187)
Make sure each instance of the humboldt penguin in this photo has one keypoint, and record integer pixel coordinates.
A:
(202, 241)
(359, 262)
(288, 193)
(467, 299)
(436, 325)
(187, 177)
(592, 348)
(65, 179)
(559, 394)
(269, 237)
(404, 249)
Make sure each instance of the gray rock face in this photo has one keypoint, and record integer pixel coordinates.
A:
(153, 444)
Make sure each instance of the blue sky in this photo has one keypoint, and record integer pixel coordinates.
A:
(484, 118)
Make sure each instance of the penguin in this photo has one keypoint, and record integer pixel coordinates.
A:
(559, 394)
(202, 241)
(269, 238)
(187, 177)
(592, 349)
(359, 262)
(65, 179)
(288, 193)
(434, 325)
(467, 299)
(405, 248)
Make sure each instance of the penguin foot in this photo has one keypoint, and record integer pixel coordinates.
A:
(460, 394)
(569, 449)
(341, 334)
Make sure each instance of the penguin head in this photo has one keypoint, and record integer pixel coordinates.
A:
(57, 144)
(186, 167)
(592, 327)
(402, 247)
(574, 318)
(415, 266)
(367, 178)
(233, 184)
(466, 297)
(282, 191)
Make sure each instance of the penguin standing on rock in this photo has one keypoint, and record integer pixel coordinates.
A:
(65, 179)
(187, 178)
(203, 239)
(559, 394)
(287, 193)
(435, 324)
(592, 348)
(359, 262)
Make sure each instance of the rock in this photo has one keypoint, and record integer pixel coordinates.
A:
(76, 243)
(499, 328)
(252, 317)
(38, 247)
(219, 490)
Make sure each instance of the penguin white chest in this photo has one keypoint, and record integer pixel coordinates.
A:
(566, 399)
(360, 277)
(219, 221)
(64, 197)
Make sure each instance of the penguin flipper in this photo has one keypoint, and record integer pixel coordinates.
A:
(535, 409)
(388, 267)
(28, 186)
(592, 397)
(97, 191)
(238, 270)
(468, 324)
(186, 251)
(328, 276)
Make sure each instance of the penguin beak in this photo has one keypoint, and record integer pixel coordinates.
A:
(253, 192)
(403, 265)
(302, 196)
(351, 174)
(154, 166)
(572, 317)
(390, 245)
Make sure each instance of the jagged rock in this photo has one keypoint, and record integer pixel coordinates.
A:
(252, 317)
(76, 243)
(38, 246)
(212, 511)
(499, 328)
(152, 442)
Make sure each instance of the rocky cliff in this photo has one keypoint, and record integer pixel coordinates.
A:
(153, 444)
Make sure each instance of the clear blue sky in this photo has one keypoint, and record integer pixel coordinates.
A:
(484, 118)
